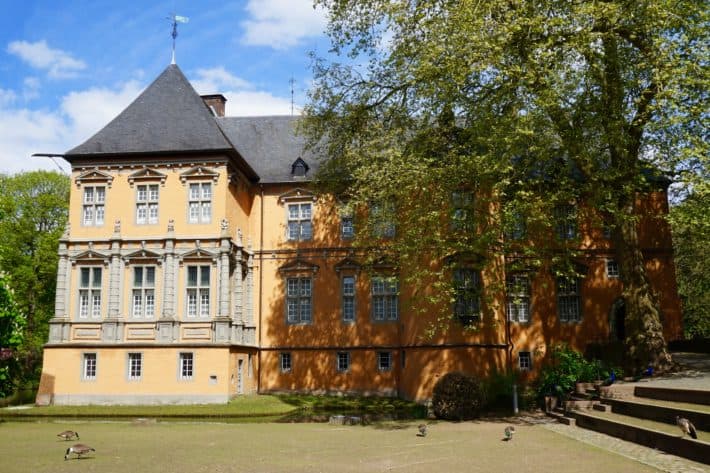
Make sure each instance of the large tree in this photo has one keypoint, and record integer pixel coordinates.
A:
(531, 104)
(33, 214)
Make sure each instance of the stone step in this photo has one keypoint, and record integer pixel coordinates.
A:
(559, 415)
(692, 396)
(667, 413)
(651, 434)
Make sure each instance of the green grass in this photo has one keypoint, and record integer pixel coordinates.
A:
(180, 447)
(241, 407)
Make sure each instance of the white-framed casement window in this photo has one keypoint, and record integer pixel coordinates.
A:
(347, 227)
(143, 302)
(612, 268)
(135, 366)
(384, 360)
(524, 361)
(200, 202)
(518, 297)
(462, 210)
(299, 300)
(198, 291)
(88, 369)
(382, 216)
(93, 210)
(384, 292)
(90, 292)
(300, 226)
(285, 362)
(187, 365)
(347, 295)
(467, 295)
(568, 299)
(342, 361)
(565, 222)
(147, 204)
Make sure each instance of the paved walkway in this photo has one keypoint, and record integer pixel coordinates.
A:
(695, 374)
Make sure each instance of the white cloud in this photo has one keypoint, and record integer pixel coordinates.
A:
(212, 81)
(59, 64)
(30, 89)
(281, 24)
(7, 97)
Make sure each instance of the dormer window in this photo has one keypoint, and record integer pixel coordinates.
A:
(299, 168)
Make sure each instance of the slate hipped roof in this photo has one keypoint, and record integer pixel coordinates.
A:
(169, 117)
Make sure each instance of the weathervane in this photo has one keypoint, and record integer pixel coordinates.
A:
(175, 19)
(292, 81)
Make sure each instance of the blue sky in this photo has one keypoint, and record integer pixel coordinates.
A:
(67, 67)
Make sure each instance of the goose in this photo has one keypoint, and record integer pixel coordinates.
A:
(68, 435)
(509, 431)
(78, 448)
(422, 430)
(686, 426)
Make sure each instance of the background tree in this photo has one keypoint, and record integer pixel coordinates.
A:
(33, 214)
(12, 323)
(690, 221)
(529, 104)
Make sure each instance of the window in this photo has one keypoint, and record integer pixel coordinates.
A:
(382, 216)
(89, 366)
(347, 227)
(298, 300)
(200, 203)
(187, 363)
(347, 295)
(565, 222)
(135, 365)
(343, 361)
(467, 292)
(143, 304)
(90, 292)
(285, 362)
(462, 213)
(612, 268)
(385, 298)
(606, 231)
(524, 361)
(568, 303)
(147, 204)
(518, 298)
(93, 206)
(384, 360)
(299, 222)
(198, 291)
(515, 227)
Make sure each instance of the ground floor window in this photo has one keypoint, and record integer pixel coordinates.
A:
(135, 366)
(89, 368)
(384, 360)
(187, 363)
(343, 361)
(524, 361)
(285, 362)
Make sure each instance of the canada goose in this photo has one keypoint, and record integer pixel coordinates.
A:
(686, 426)
(78, 448)
(509, 431)
(68, 435)
(422, 430)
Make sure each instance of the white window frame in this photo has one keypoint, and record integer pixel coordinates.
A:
(342, 361)
(198, 294)
(89, 366)
(384, 361)
(524, 361)
(93, 213)
(347, 227)
(90, 293)
(612, 269)
(147, 198)
(134, 366)
(199, 202)
(467, 295)
(347, 298)
(299, 300)
(285, 362)
(299, 224)
(143, 292)
(382, 222)
(518, 297)
(384, 297)
(569, 299)
(186, 365)
(566, 227)
(462, 210)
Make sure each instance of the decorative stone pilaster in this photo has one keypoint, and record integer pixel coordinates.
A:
(115, 273)
(249, 313)
(169, 295)
(60, 308)
(224, 250)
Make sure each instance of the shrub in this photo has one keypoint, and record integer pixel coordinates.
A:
(458, 397)
(568, 367)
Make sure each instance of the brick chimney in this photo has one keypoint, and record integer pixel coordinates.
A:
(215, 102)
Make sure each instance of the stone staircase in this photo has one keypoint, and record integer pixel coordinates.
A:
(643, 414)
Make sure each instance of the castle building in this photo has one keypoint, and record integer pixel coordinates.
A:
(198, 265)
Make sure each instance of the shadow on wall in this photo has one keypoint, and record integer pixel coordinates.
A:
(45, 392)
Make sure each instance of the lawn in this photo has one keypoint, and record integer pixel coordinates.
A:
(181, 447)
